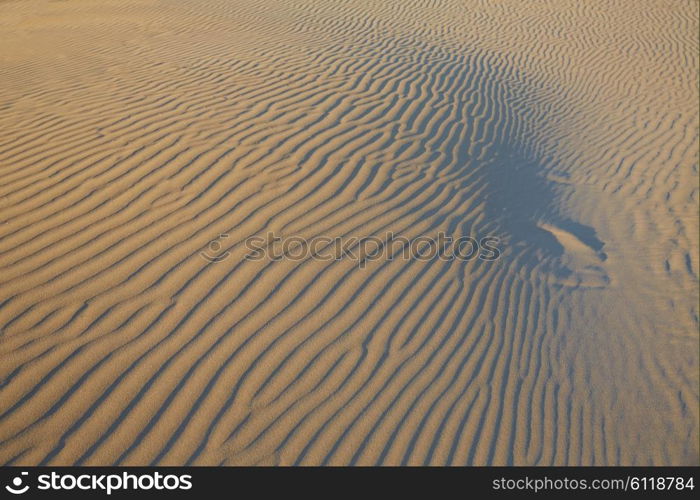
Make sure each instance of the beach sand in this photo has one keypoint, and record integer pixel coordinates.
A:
(144, 143)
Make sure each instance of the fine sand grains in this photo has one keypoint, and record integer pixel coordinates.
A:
(138, 137)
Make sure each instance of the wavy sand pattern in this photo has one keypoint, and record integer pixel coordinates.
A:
(134, 133)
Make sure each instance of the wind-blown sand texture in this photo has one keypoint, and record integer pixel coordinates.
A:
(133, 133)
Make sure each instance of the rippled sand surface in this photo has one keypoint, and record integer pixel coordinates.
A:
(139, 137)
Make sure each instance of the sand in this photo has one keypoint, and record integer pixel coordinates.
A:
(136, 136)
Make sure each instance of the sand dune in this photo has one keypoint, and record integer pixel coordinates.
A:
(136, 137)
